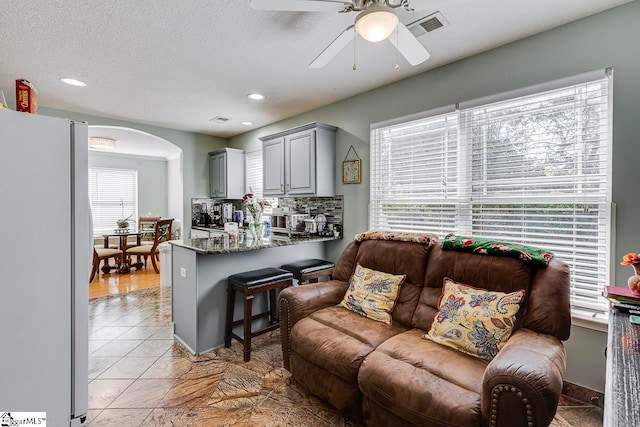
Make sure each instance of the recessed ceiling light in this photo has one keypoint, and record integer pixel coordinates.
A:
(72, 82)
(256, 96)
(246, 123)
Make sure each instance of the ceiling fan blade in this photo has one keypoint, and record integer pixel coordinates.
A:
(301, 5)
(408, 45)
(334, 48)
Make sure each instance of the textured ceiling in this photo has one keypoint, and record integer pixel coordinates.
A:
(177, 64)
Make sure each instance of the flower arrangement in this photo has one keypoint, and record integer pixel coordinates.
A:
(254, 205)
(631, 259)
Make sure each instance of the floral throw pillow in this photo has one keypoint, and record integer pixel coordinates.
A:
(475, 321)
(372, 293)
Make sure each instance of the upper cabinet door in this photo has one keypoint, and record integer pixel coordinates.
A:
(300, 159)
(273, 167)
(217, 174)
(226, 173)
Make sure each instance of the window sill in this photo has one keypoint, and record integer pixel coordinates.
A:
(589, 321)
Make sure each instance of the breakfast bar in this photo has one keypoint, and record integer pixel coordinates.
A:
(200, 268)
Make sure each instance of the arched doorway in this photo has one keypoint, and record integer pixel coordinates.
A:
(157, 166)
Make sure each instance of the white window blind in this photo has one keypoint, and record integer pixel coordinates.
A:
(253, 179)
(533, 170)
(253, 169)
(414, 175)
(113, 194)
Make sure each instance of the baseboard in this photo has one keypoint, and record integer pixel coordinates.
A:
(583, 394)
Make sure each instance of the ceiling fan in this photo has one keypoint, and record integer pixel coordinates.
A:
(375, 22)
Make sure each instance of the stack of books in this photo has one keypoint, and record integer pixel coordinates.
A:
(622, 299)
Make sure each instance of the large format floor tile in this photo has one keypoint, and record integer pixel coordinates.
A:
(139, 376)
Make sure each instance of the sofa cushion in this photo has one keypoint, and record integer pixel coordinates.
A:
(398, 258)
(423, 382)
(475, 321)
(372, 293)
(487, 272)
(338, 340)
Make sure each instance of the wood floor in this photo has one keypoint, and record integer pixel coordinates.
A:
(114, 283)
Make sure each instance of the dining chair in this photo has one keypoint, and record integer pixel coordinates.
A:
(147, 224)
(161, 233)
(100, 254)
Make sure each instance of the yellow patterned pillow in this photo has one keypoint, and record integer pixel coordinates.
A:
(475, 321)
(372, 293)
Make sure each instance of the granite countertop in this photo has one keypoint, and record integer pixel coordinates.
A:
(228, 245)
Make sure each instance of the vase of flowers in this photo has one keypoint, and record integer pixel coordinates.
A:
(633, 260)
(254, 206)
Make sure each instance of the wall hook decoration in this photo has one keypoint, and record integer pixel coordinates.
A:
(351, 168)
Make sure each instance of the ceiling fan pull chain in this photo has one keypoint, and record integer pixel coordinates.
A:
(354, 50)
(397, 67)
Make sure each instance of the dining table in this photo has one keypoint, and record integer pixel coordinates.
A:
(123, 244)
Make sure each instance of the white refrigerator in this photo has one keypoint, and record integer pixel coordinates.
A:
(45, 255)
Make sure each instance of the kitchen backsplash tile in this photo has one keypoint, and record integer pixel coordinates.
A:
(196, 206)
(330, 207)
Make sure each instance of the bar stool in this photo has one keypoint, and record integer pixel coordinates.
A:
(310, 270)
(251, 283)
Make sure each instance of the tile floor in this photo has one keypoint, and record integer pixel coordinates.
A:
(138, 376)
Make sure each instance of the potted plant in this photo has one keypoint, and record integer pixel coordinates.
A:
(124, 222)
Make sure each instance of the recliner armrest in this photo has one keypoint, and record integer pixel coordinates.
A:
(523, 383)
(298, 302)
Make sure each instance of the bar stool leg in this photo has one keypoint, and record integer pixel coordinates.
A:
(248, 316)
(273, 308)
(231, 302)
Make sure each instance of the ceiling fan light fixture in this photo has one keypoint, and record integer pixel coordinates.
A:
(376, 23)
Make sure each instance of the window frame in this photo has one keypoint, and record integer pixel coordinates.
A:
(464, 200)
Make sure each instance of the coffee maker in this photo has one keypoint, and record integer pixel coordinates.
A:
(217, 214)
(205, 218)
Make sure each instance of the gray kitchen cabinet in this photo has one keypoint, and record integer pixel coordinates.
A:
(226, 173)
(273, 167)
(300, 161)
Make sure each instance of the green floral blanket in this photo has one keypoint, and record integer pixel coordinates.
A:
(529, 254)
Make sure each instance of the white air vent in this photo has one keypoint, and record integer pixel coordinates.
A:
(219, 119)
(427, 24)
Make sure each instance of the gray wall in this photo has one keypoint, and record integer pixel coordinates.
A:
(609, 39)
(195, 148)
(152, 179)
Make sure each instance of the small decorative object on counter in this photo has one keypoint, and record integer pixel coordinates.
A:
(254, 206)
(633, 260)
(256, 230)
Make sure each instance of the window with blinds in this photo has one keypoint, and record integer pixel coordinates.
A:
(253, 178)
(533, 169)
(113, 194)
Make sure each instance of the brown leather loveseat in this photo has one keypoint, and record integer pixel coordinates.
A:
(389, 375)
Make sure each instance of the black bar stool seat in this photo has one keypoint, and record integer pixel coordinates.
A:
(310, 270)
(251, 283)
